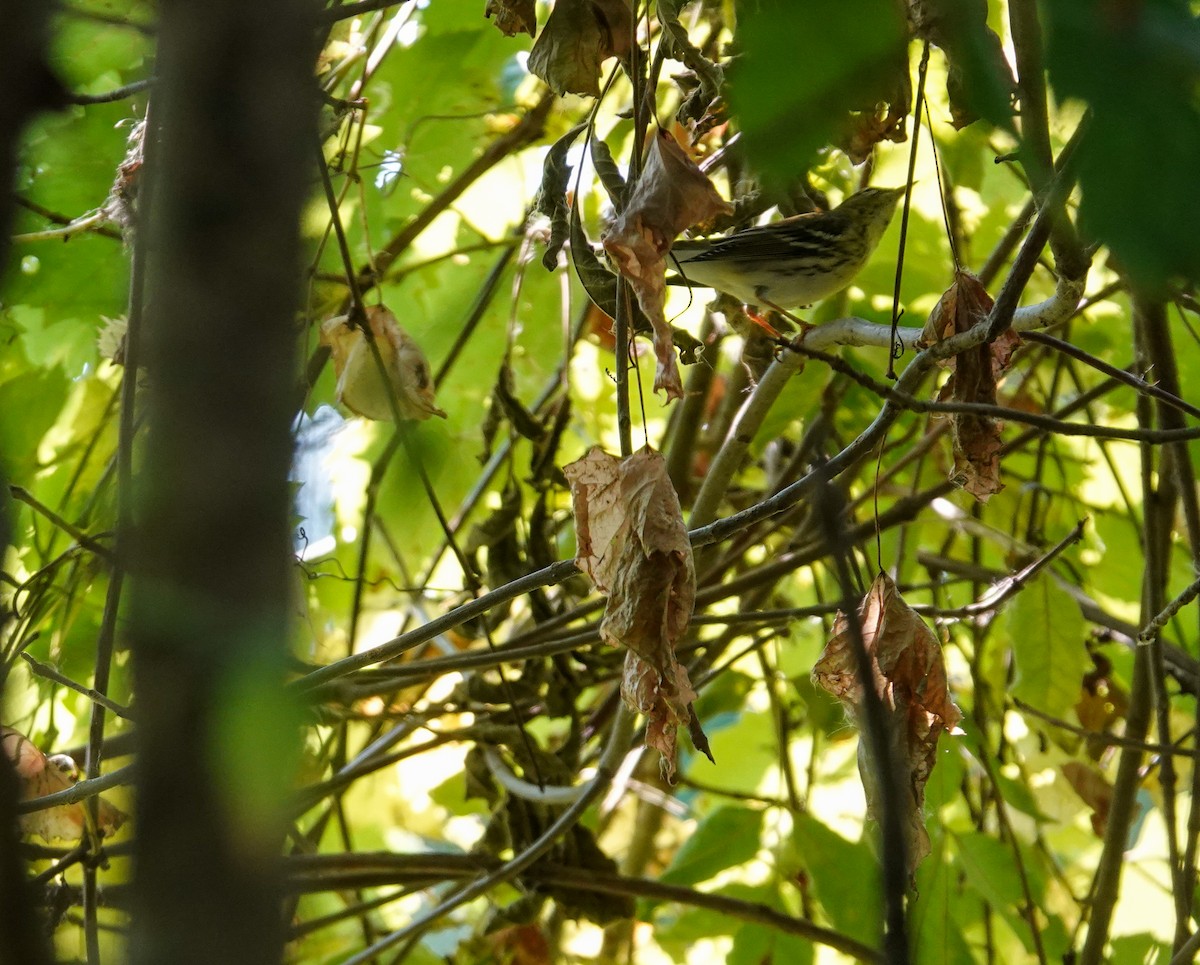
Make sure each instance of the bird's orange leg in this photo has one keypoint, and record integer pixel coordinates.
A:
(798, 322)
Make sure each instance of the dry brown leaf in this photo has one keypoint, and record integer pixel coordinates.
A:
(975, 438)
(633, 543)
(910, 680)
(596, 500)
(1094, 789)
(884, 120)
(671, 194)
(40, 775)
(578, 37)
(1102, 704)
(360, 386)
(520, 945)
(513, 16)
(869, 128)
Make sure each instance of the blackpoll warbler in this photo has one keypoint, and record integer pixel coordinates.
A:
(793, 262)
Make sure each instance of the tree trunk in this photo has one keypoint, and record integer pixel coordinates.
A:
(235, 116)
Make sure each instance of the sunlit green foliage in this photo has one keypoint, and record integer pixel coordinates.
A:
(426, 123)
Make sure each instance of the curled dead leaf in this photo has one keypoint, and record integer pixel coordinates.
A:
(39, 775)
(975, 438)
(910, 679)
(361, 387)
(671, 194)
(633, 543)
(578, 37)
(512, 16)
(110, 341)
(882, 118)
(120, 207)
(1094, 789)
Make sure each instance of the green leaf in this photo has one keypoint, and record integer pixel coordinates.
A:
(989, 867)
(939, 916)
(1019, 796)
(747, 750)
(37, 395)
(1136, 66)
(992, 873)
(845, 877)
(1138, 950)
(1118, 572)
(725, 839)
(759, 944)
(677, 933)
(945, 780)
(1046, 631)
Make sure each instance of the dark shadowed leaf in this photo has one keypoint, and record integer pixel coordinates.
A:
(805, 68)
(1136, 65)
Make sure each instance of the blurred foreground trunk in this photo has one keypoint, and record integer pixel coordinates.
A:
(234, 114)
(29, 87)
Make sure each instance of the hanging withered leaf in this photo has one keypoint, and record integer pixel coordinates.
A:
(361, 387)
(979, 81)
(910, 680)
(671, 194)
(577, 38)
(552, 195)
(633, 543)
(708, 76)
(513, 16)
(881, 117)
(1095, 790)
(110, 340)
(120, 207)
(39, 775)
(975, 438)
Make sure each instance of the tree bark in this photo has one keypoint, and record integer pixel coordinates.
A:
(235, 116)
(29, 86)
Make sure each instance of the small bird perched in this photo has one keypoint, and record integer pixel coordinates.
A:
(794, 262)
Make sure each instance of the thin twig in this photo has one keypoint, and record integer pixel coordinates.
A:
(23, 495)
(893, 804)
(615, 749)
(45, 670)
(1155, 626)
(321, 872)
(347, 10)
(82, 791)
(110, 96)
(1122, 809)
(1121, 375)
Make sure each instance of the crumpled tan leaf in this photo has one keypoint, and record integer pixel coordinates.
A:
(513, 16)
(360, 386)
(633, 543)
(1094, 789)
(578, 37)
(975, 438)
(883, 120)
(910, 679)
(671, 194)
(40, 775)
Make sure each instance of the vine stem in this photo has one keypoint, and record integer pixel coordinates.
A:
(126, 430)
(1159, 507)
(893, 809)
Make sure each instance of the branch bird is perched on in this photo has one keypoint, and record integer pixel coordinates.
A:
(794, 262)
